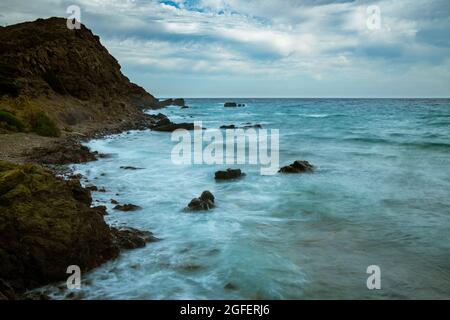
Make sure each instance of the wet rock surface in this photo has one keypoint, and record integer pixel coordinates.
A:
(46, 224)
(127, 207)
(131, 238)
(204, 202)
(298, 166)
(228, 174)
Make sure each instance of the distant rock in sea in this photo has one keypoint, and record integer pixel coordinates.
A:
(298, 166)
(228, 174)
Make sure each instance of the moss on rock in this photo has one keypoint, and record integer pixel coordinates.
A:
(47, 224)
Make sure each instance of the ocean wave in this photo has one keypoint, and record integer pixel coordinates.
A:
(418, 144)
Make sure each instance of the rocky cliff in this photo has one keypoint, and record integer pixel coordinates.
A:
(68, 74)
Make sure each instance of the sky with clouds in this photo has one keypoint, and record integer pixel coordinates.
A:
(268, 48)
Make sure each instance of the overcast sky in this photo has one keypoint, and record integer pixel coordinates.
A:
(268, 48)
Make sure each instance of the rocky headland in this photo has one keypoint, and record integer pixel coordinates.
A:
(58, 88)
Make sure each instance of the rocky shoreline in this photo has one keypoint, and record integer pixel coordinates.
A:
(47, 219)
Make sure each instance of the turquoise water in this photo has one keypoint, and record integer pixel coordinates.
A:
(379, 196)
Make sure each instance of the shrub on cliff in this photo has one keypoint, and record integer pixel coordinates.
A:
(44, 126)
(10, 122)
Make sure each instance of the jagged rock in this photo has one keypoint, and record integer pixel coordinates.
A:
(205, 202)
(228, 174)
(127, 207)
(130, 238)
(230, 126)
(298, 166)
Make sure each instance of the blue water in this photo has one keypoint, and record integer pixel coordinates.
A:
(379, 196)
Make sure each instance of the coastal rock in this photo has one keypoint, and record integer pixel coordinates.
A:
(230, 126)
(47, 224)
(228, 174)
(127, 207)
(205, 202)
(174, 126)
(298, 166)
(230, 104)
(63, 152)
(171, 102)
(130, 238)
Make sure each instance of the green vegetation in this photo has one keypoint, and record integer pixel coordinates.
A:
(10, 122)
(44, 126)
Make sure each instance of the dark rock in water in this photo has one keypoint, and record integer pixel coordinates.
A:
(230, 126)
(256, 126)
(114, 201)
(228, 174)
(184, 107)
(130, 168)
(179, 102)
(230, 104)
(230, 286)
(241, 105)
(91, 187)
(47, 224)
(127, 207)
(298, 166)
(205, 202)
(171, 102)
(130, 238)
(174, 126)
(102, 189)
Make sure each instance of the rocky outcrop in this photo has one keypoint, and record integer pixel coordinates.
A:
(47, 224)
(204, 202)
(68, 74)
(172, 102)
(164, 124)
(298, 166)
(233, 104)
(228, 174)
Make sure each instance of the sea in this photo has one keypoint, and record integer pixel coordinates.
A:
(378, 199)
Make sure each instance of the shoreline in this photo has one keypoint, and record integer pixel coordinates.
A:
(53, 156)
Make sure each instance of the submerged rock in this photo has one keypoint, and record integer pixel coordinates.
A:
(298, 166)
(228, 174)
(229, 126)
(127, 207)
(205, 202)
(130, 168)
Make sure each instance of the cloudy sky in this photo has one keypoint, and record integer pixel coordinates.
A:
(268, 48)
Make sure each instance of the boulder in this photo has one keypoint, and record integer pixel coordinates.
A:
(131, 238)
(230, 104)
(228, 174)
(47, 224)
(204, 202)
(298, 166)
(127, 207)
